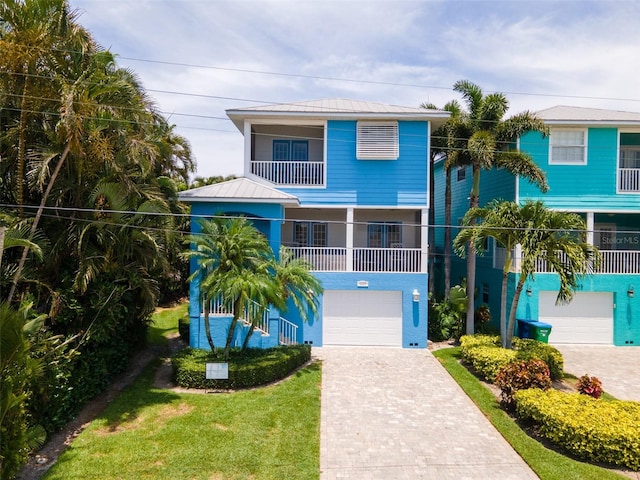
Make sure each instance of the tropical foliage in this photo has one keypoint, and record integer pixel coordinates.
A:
(236, 265)
(89, 178)
(483, 139)
(558, 238)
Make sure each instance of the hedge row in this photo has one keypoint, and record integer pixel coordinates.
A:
(591, 429)
(486, 357)
(252, 368)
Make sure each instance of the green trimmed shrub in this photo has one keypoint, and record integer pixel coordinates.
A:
(591, 429)
(521, 375)
(525, 349)
(487, 361)
(529, 349)
(184, 324)
(468, 342)
(252, 368)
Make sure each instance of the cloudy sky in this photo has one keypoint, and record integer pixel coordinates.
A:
(198, 58)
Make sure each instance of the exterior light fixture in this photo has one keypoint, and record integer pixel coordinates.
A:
(529, 292)
(416, 295)
(310, 293)
(630, 292)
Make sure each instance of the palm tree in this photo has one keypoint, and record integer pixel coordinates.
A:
(231, 254)
(443, 141)
(36, 35)
(486, 140)
(556, 237)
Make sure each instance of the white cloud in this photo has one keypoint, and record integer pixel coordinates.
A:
(400, 52)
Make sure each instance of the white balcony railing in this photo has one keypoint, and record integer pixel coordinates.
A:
(290, 173)
(629, 179)
(218, 309)
(386, 259)
(288, 332)
(334, 259)
(613, 261)
(323, 259)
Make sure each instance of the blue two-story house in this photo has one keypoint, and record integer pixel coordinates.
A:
(343, 184)
(592, 162)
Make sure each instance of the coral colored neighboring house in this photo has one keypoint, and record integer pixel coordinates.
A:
(343, 184)
(592, 162)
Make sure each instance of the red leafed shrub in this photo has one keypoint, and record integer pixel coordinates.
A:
(521, 375)
(591, 386)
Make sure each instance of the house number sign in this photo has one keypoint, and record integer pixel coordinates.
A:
(217, 371)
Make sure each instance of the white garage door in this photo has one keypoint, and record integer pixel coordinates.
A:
(362, 317)
(587, 319)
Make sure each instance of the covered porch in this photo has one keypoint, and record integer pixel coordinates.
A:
(358, 239)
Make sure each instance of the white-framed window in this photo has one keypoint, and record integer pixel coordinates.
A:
(568, 146)
(461, 173)
(310, 234)
(384, 235)
(377, 141)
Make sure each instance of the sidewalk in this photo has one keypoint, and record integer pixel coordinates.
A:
(396, 414)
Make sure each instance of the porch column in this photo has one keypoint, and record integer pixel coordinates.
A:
(247, 146)
(350, 239)
(590, 227)
(517, 257)
(424, 240)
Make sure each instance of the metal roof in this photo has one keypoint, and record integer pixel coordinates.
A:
(563, 114)
(240, 190)
(335, 108)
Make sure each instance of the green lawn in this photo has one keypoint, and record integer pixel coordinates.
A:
(547, 464)
(147, 433)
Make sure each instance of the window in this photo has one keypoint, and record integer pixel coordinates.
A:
(290, 150)
(377, 141)
(461, 173)
(384, 235)
(568, 147)
(485, 293)
(310, 234)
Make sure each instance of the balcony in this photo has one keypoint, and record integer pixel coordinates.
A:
(341, 259)
(613, 261)
(629, 180)
(290, 173)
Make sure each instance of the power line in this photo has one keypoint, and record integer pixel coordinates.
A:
(283, 219)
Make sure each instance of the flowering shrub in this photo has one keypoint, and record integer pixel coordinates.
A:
(519, 376)
(591, 429)
(591, 386)
(528, 349)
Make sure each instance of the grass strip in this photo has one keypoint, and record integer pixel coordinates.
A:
(148, 433)
(547, 464)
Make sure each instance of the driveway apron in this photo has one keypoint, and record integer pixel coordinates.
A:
(616, 367)
(391, 413)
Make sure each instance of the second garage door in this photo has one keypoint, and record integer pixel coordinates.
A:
(587, 319)
(362, 317)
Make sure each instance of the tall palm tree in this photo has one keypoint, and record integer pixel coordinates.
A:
(35, 36)
(443, 141)
(554, 236)
(486, 140)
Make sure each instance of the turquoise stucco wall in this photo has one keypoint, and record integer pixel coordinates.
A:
(580, 187)
(626, 314)
(351, 181)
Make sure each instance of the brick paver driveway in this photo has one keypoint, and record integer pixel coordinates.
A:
(617, 367)
(390, 413)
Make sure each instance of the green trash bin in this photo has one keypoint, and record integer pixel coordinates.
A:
(540, 331)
